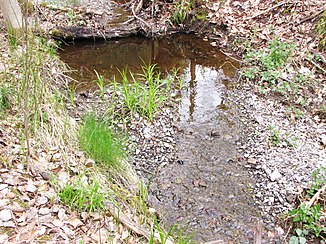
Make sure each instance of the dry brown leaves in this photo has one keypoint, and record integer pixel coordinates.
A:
(29, 208)
(289, 20)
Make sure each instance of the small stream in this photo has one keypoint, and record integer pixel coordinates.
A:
(205, 190)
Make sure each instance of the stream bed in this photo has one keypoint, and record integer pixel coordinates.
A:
(204, 188)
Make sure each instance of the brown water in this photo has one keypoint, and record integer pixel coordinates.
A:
(206, 189)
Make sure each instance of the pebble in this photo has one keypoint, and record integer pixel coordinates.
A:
(31, 188)
(5, 215)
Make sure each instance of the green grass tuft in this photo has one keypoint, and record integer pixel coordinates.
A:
(83, 196)
(101, 144)
(145, 95)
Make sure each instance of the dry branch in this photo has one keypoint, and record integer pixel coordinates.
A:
(118, 214)
(265, 11)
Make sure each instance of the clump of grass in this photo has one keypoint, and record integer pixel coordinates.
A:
(101, 143)
(82, 195)
(100, 84)
(188, 11)
(146, 94)
(181, 12)
(6, 93)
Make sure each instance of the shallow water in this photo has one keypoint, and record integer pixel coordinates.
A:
(205, 190)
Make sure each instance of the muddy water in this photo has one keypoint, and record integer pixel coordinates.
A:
(205, 189)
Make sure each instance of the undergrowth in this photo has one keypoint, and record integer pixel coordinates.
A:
(309, 218)
(101, 143)
(32, 90)
(321, 31)
(274, 69)
(186, 12)
(83, 194)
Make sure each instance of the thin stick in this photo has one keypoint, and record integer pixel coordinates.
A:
(266, 11)
(312, 16)
(132, 225)
(143, 21)
(226, 54)
(317, 66)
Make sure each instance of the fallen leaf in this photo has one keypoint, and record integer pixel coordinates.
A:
(75, 222)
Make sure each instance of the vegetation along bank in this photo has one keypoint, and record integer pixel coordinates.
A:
(69, 157)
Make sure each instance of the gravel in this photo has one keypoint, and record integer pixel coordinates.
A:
(281, 171)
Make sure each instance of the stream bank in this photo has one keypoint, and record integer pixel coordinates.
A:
(276, 187)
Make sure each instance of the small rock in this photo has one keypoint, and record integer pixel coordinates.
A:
(275, 175)
(252, 161)
(42, 200)
(45, 175)
(31, 188)
(5, 215)
(146, 133)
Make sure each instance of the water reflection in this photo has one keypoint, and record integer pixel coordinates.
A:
(203, 67)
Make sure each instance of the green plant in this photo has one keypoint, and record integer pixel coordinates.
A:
(308, 218)
(72, 91)
(275, 136)
(100, 84)
(65, 3)
(269, 64)
(146, 95)
(174, 235)
(296, 113)
(82, 195)
(321, 30)
(181, 12)
(6, 93)
(299, 238)
(71, 17)
(318, 181)
(101, 144)
(13, 38)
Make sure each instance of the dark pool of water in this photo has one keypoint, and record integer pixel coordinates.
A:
(204, 68)
(209, 192)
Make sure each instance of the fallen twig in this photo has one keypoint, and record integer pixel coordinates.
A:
(137, 17)
(265, 11)
(312, 16)
(317, 66)
(118, 214)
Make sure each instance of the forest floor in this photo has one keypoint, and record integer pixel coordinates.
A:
(29, 209)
